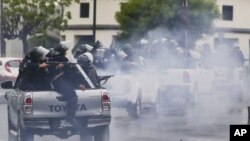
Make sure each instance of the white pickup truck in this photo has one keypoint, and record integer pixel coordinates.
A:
(180, 88)
(126, 93)
(134, 92)
(41, 113)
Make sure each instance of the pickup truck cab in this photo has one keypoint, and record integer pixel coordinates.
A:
(41, 113)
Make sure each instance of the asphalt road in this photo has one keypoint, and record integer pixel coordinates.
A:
(209, 121)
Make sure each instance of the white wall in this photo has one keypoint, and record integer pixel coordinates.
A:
(241, 20)
(105, 36)
(243, 42)
(241, 14)
(14, 48)
(105, 12)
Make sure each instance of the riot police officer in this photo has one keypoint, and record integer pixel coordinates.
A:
(33, 73)
(131, 61)
(86, 62)
(61, 76)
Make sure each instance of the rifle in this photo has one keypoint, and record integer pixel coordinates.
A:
(77, 65)
(105, 78)
(64, 63)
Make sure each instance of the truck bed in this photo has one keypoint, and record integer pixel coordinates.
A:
(46, 105)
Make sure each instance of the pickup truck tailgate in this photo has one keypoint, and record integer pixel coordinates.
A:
(45, 104)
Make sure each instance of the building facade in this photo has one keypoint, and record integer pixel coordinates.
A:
(81, 26)
(233, 27)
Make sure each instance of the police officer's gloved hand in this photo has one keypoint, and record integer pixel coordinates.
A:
(60, 66)
(43, 66)
(82, 87)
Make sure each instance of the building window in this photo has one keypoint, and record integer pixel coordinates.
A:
(227, 13)
(84, 10)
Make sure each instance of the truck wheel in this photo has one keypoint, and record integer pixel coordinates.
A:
(102, 133)
(86, 138)
(240, 96)
(24, 135)
(158, 105)
(10, 127)
(85, 135)
(134, 110)
(194, 97)
(248, 111)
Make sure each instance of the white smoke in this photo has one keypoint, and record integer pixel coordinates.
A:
(220, 91)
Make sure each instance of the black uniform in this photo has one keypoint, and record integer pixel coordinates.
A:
(30, 76)
(61, 81)
(89, 69)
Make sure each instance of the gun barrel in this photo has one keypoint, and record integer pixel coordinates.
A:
(67, 63)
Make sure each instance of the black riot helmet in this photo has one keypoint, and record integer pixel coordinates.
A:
(62, 47)
(38, 53)
(98, 44)
(85, 59)
(82, 49)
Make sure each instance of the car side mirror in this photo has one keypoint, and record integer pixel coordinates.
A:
(7, 85)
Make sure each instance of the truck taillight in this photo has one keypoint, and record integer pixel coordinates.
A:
(105, 101)
(27, 104)
(105, 97)
(28, 101)
(186, 77)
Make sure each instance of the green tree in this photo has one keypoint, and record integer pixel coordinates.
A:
(45, 41)
(26, 18)
(137, 17)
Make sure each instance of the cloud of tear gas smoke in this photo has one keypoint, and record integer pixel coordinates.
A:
(203, 85)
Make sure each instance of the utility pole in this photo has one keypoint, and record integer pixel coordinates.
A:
(1, 29)
(184, 17)
(94, 21)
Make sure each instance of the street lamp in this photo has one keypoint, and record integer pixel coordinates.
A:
(1, 30)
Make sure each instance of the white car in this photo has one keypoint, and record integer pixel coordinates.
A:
(9, 68)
